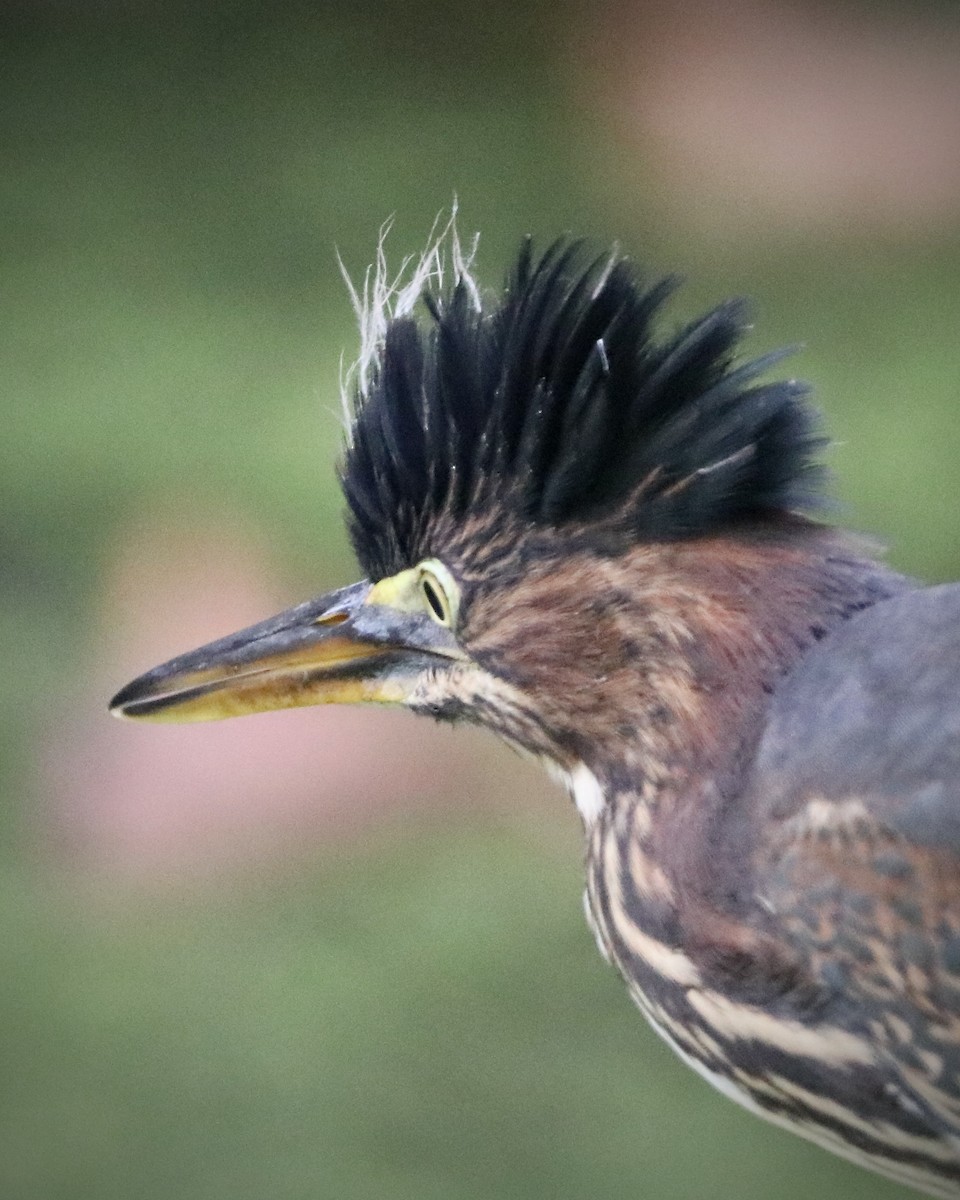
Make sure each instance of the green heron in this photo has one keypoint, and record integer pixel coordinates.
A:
(605, 546)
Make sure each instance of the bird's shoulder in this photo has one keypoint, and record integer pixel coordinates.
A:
(870, 717)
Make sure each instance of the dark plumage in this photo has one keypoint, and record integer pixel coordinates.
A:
(594, 543)
(555, 404)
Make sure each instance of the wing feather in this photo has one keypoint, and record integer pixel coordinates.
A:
(856, 787)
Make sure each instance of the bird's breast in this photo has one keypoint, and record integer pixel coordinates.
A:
(805, 1072)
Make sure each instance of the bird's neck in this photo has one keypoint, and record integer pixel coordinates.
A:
(729, 618)
(708, 629)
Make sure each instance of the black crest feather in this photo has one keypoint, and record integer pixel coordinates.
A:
(554, 405)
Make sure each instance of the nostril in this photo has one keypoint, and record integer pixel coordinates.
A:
(332, 618)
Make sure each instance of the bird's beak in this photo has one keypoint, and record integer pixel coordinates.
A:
(348, 647)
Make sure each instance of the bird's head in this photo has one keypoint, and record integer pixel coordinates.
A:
(530, 480)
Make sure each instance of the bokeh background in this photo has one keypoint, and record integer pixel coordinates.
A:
(331, 953)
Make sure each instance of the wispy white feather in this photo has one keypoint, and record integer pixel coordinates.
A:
(386, 295)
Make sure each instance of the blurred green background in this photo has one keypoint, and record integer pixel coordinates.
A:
(324, 954)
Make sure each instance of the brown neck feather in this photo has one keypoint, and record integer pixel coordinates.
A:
(735, 613)
(653, 668)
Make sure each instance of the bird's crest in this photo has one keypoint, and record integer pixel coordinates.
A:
(555, 406)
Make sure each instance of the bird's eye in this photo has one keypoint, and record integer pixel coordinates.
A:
(439, 591)
(433, 599)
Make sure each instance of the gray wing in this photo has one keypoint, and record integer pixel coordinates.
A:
(874, 710)
(856, 793)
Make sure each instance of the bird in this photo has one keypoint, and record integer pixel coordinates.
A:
(609, 541)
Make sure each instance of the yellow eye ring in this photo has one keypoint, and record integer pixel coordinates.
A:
(439, 591)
